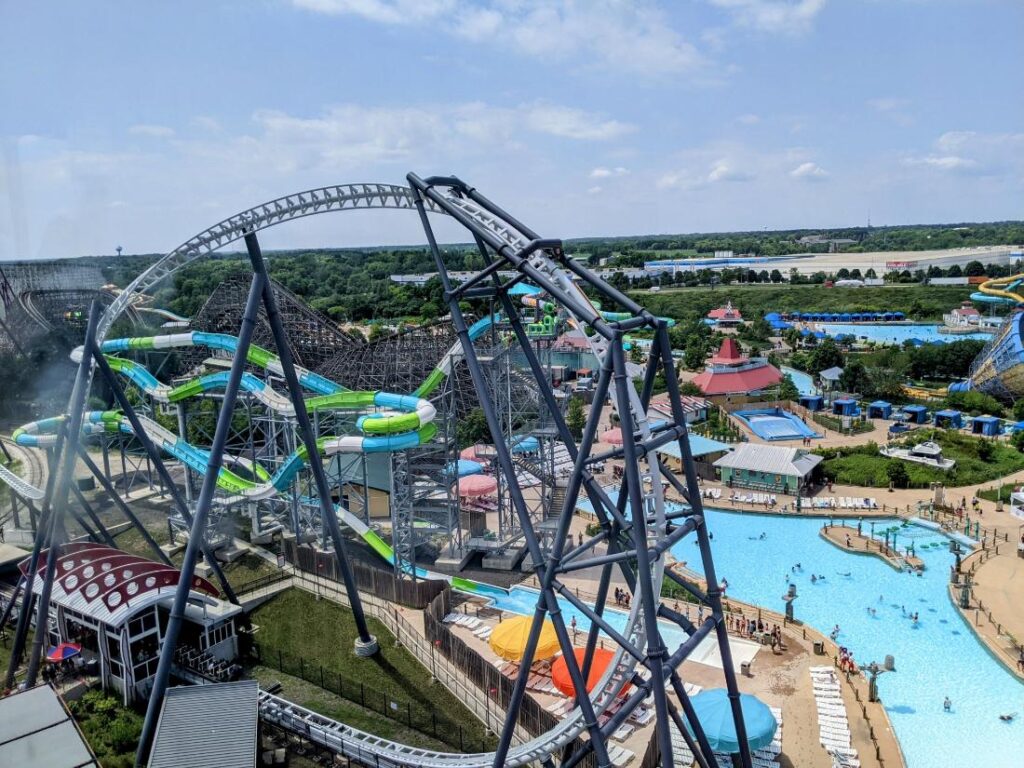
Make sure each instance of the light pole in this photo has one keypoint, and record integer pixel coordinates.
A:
(875, 670)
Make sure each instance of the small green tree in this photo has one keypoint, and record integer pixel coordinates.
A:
(575, 418)
(1018, 410)
(897, 473)
(690, 389)
(472, 429)
(1018, 440)
(788, 389)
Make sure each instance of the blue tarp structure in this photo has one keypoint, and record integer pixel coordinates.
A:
(844, 407)
(916, 414)
(812, 402)
(949, 418)
(525, 444)
(880, 409)
(714, 712)
(990, 426)
(523, 289)
(464, 468)
(774, 319)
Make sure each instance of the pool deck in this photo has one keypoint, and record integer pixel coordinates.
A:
(847, 538)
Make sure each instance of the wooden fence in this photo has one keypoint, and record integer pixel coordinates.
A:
(383, 584)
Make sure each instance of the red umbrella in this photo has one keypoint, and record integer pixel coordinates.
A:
(470, 453)
(476, 485)
(63, 652)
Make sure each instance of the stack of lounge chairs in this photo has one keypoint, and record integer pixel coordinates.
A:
(849, 502)
(479, 628)
(833, 727)
(761, 499)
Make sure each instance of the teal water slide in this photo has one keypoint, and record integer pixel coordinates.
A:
(407, 421)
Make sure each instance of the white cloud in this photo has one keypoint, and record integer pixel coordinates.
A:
(943, 162)
(151, 131)
(809, 171)
(595, 190)
(630, 37)
(785, 16)
(748, 119)
(974, 153)
(573, 123)
(723, 170)
(605, 173)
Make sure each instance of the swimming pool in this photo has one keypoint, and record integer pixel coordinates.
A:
(804, 382)
(775, 424)
(937, 657)
(887, 333)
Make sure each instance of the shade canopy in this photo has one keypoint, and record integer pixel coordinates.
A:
(612, 436)
(525, 444)
(476, 485)
(601, 661)
(471, 452)
(714, 712)
(508, 639)
(63, 652)
(464, 467)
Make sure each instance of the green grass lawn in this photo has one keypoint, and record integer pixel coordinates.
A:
(863, 465)
(323, 633)
(921, 302)
(313, 697)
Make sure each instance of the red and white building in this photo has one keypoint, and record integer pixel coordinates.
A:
(725, 317)
(963, 316)
(116, 605)
(730, 372)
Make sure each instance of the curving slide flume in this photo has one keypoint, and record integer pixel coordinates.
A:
(411, 426)
(1000, 290)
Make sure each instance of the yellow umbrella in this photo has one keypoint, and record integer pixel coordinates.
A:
(509, 639)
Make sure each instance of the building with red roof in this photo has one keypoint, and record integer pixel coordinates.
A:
(730, 372)
(726, 316)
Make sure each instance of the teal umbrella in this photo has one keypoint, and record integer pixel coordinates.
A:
(714, 712)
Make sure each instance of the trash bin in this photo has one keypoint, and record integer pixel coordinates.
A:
(86, 484)
(745, 668)
(819, 647)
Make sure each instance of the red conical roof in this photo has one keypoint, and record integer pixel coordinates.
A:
(729, 354)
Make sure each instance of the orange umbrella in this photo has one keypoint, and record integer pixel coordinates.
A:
(560, 670)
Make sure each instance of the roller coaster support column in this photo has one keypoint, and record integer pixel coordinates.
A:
(21, 632)
(714, 593)
(198, 530)
(58, 505)
(366, 644)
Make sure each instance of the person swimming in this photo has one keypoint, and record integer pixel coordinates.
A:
(1008, 718)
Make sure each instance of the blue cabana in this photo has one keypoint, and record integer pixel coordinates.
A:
(846, 317)
(880, 409)
(888, 316)
(1017, 427)
(898, 315)
(844, 407)
(812, 402)
(990, 426)
(916, 414)
(949, 418)
(820, 334)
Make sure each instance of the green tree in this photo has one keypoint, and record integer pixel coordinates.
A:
(1018, 410)
(855, 377)
(575, 418)
(472, 429)
(974, 269)
(826, 355)
(688, 388)
(696, 353)
(897, 473)
(788, 389)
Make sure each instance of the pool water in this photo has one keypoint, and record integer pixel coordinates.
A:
(936, 658)
(804, 382)
(886, 333)
(775, 424)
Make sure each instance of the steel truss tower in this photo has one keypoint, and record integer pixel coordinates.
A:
(636, 531)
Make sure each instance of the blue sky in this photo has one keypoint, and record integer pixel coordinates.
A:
(141, 124)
